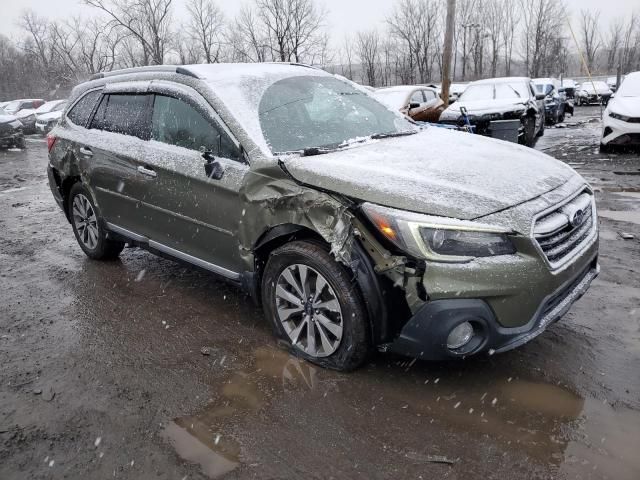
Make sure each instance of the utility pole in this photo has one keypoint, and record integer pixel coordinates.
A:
(448, 49)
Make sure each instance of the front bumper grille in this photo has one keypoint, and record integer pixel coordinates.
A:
(563, 232)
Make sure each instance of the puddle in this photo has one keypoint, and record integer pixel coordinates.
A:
(630, 216)
(200, 438)
(548, 423)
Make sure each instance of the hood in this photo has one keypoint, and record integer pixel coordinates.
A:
(437, 172)
(7, 118)
(47, 117)
(25, 113)
(628, 106)
(482, 107)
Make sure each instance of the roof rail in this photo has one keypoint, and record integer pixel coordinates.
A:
(148, 69)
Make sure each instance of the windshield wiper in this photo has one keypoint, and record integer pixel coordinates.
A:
(333, 147)
(379, 136)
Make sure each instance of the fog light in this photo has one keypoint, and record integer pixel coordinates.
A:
(460, 336)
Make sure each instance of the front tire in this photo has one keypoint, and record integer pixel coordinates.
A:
(88, 227)
(315, 307)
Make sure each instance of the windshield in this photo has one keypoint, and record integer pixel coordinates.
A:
(478, 92)
(493, 91)
(630, 87)
(306, 112)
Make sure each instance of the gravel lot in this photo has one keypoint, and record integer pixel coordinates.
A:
(103, 377)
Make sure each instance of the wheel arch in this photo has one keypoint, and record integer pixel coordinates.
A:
(361, 267)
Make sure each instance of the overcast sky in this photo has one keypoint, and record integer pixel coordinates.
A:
(344, 15)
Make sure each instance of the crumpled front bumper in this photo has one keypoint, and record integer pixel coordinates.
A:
(425, 335)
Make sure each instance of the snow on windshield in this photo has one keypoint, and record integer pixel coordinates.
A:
(630, 86)
(321, 112)
(493, 91)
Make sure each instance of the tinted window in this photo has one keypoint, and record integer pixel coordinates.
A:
(177, 123)
(81, 111)
(124, 113)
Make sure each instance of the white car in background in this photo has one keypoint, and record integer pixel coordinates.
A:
(47, 115)
(621, 121)
(594, 91)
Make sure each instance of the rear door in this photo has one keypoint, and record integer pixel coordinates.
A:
(195, 215)
(115, 148)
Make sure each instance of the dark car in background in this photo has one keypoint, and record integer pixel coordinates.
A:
(508, 98)
(556, 104)
(11, 134)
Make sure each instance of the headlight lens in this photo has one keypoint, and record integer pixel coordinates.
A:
(617, 116)
(439, 238)
(466, 243)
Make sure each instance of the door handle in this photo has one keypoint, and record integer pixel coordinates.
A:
(147, 171)
(86, 152)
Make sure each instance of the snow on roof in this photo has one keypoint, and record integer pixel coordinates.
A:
(240, 86)
(501, 80)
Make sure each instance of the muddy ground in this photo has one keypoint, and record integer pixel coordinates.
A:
(102, 374)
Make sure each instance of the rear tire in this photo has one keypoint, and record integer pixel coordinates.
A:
(88, 226)
(315, 307)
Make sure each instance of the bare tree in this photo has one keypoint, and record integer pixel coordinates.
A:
(414, 24)
(542, 20)
(613, 44)
(509, 30)
(205, 27)
(368, 45)
(590, 33)
(148, 21)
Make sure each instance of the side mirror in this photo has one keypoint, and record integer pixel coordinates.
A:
(540, 96)
(212, 167)
(414, 105)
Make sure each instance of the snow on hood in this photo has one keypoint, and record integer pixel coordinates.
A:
(628, 106)
(25, 112)
(436, 172)
(481, 107)
(7, 118)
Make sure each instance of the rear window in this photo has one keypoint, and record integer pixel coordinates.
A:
(127, 114)
(79, 114)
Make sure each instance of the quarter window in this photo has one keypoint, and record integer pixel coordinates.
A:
(123, 113)
(175, 122)
(79, 114)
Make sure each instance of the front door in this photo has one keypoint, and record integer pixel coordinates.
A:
(195, 215)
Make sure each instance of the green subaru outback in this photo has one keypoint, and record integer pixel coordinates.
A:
(355, 228)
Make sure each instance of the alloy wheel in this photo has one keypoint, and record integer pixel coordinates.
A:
(309, 310)
(85, 221)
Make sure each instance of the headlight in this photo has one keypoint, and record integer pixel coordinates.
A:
(439, 238)
(16, 124)
(617, 116)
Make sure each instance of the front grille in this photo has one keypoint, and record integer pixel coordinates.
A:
(562, 232)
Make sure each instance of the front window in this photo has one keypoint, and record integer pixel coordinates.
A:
(478, 92)
(307, 112)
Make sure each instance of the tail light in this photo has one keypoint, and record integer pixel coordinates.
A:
(51, 141)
